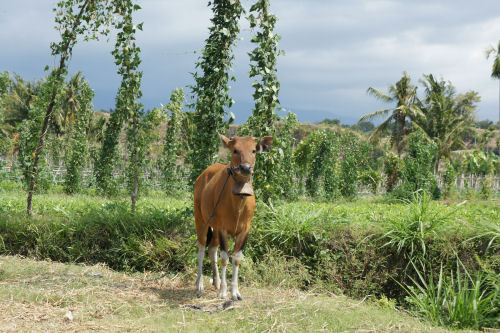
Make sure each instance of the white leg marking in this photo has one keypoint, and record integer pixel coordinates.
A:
(212, 253)
(223, 284)
(199, 279)
(235, 294)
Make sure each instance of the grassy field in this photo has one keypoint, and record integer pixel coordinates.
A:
(37, 295)
(345, 248)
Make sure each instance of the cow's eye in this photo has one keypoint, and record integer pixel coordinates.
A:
(235, 151)
(253, 151)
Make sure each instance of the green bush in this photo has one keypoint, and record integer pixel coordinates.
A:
(392, 170)
(449, 177)
(416, 173)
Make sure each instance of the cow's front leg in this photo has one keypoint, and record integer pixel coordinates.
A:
(241, 240)
(224, 258)
(199, 279)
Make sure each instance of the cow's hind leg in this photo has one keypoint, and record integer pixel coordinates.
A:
(201, 256)
(212, 254)
(199, 279)
(224, 258)
(241, 240)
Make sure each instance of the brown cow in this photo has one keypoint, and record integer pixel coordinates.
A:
(234, 212)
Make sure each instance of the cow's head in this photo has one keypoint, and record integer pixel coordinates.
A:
(243, 152)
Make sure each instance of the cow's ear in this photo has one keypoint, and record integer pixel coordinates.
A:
(225, 141)
(265, 144)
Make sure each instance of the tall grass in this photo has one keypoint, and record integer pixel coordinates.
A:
(459, 300)
(410, 232)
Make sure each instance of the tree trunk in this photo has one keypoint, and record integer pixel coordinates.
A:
(134, 160)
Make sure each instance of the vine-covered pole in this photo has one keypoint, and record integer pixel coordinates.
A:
(91, 15)
(126, 54)
(273, 173)
(172, 142)
(211, 88)
(263, 66)
(78, 153)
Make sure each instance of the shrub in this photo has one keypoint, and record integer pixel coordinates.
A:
(392, 170)
(449, 177)
(416, 174)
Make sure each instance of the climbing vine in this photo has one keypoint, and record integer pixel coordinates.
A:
(126, 54)
(274, 171)
(84, 18)
(78, 146)
(172, 142)
(263, 69)
(211, 85)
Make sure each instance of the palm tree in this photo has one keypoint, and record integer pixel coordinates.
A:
(17, 100)
(495, 71)
(405, 96)
(445, 115)
(66, 114)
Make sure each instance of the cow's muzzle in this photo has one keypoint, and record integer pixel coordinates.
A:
(246, 169)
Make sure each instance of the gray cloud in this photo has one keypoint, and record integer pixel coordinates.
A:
(335, 50)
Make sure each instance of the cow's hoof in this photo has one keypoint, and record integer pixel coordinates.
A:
(236, 296)
(222, 294)
(215, 283)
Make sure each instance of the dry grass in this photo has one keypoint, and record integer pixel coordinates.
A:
(37, 296)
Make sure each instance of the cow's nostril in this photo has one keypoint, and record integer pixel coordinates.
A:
(246, 168)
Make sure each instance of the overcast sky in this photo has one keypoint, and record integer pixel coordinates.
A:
(335, 50)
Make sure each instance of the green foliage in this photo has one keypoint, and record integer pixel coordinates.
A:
(140, 134)
(126, 54)
(370, 178)
(446, 116)
(409, 233)
(211, 87)
(479, 163)
(449, 177)
(404, 94)
(330, 122)
(392, 170)
(339, 245)
(274, 176)
(172, 141)
(82, 18)
(30, 132)
(416, 174)
(77, 156)
(331, 162)
(274, 172)
(459, 300)
(4, 84)
(263, 66)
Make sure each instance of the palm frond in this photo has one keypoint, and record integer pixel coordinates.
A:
(379, 113)
(379, 95)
